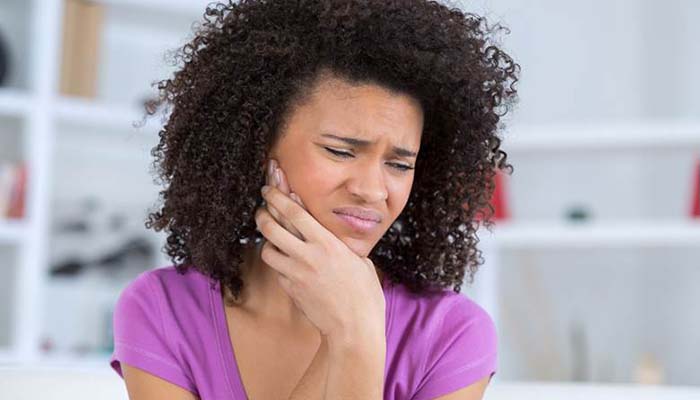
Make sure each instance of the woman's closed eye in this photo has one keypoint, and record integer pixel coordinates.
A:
(344, 154)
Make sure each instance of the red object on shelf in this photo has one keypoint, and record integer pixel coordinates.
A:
(499, 200)
(18, 193)
(695, 208)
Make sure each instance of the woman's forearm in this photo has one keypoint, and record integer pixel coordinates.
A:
(356, 369)
(312, 385)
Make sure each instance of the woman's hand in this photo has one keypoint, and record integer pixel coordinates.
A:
(338, 291)
(275, 177)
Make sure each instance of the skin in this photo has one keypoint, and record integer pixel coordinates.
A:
(324, 181)
(323, 271)
(312, 275)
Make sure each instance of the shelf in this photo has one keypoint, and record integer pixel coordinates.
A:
(7, 356)
(529, 390)
(14, 102)
(81, 111)
(662, 233)
(186, 7)
(608, 136)
(12, 232)
(87, 362)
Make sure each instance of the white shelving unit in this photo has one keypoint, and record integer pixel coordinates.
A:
(35, 102)
(44, 114)
(628, 239)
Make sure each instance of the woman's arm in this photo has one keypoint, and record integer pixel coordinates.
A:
(144, 386)
(312, 385)
(475, 391)
(341, 370)
(356, 368)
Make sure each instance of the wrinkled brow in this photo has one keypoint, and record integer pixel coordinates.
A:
(400, 151)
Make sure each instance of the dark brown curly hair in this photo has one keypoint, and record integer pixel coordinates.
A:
(250, 62)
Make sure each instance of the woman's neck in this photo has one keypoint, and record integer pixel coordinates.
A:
(262, 297)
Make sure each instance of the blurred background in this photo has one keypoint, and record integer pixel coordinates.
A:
(592, 271)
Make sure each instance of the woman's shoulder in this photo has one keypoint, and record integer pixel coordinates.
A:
(435, 305)
(433, 317)
(169, 276)
(147, 324)
(441, 340)
(169, 288)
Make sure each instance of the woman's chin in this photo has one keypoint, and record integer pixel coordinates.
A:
(360, 243)
(358, 246)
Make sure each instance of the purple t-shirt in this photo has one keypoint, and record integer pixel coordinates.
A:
(174, 326)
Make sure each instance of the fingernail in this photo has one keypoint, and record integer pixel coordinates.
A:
(264, 189)
(278, 179)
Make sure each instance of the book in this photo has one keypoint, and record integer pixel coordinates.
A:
(17, 198)
(13, 179)
(6, 177)
(82, 26)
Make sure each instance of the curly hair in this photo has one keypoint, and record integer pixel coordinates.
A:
(250, 62)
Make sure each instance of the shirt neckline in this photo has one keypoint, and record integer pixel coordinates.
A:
(227, 353)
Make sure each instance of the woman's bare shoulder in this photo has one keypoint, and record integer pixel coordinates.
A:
(142, 385)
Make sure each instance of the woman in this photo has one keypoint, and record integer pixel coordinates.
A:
(373, 126)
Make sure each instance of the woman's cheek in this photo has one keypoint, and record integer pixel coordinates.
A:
(322, 174)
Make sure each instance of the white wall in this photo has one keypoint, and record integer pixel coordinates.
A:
(596, 62)
(601, 60)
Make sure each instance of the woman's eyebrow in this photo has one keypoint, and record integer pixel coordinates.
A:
(400, 151)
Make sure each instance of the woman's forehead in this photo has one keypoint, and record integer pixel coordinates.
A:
(366, 112)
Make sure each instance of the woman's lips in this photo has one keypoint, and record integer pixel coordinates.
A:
(358, 224)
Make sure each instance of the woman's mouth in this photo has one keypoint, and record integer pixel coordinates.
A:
(358, 224)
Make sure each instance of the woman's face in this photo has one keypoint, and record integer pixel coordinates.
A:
(371, 177)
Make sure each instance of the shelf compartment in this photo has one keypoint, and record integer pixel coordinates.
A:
(12, 232)
(15, 34)
(576, 314)
(8, 303)
(14, 103)
(94, 113)
(607, 136)
(643, 233)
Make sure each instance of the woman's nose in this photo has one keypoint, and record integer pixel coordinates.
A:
(367, 182)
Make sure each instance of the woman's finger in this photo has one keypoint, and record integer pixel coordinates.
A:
(293, 212)
(296, 198)
(276, 177)
(286, 189)
(272, 179)
(269, 180)
(287, 287)
(286, 284)
(275, 234)
(280, 177)
(271, 255)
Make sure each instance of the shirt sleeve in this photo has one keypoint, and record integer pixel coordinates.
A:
(461, 351)
(139, 338)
